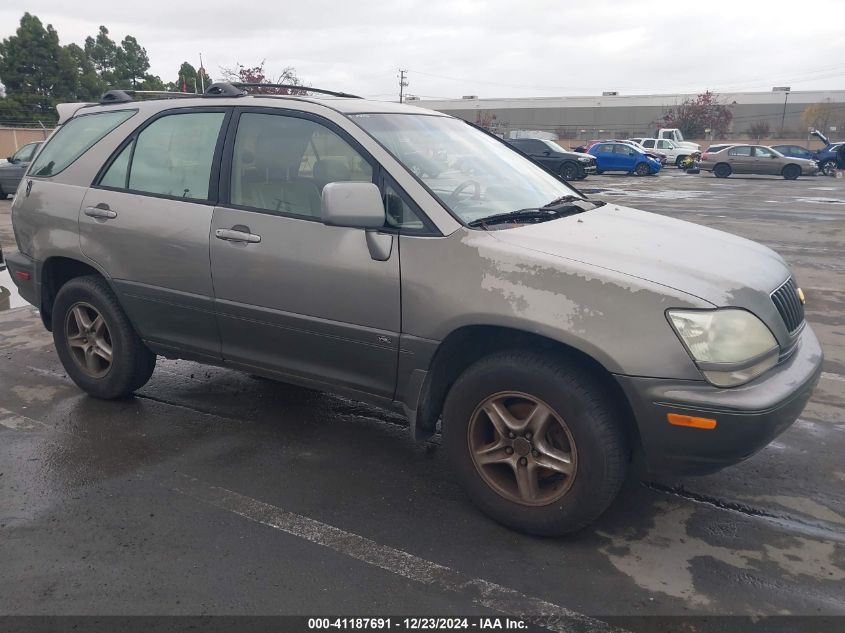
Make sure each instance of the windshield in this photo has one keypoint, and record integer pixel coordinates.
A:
(554, 146)
(472, 174)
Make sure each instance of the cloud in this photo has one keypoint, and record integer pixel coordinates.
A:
(490, 48)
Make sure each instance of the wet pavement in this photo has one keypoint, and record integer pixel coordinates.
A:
(212, 492)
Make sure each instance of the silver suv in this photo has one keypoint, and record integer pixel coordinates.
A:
(409, 259)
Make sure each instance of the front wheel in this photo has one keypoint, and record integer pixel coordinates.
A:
(828, 167)
(679, 161)
(569, 171)
(642, 170)
(96, 342)
(535, 442)
(791, 172)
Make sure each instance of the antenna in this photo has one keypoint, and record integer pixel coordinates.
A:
(403, 83)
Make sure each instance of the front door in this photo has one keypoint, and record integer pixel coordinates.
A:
(293, 295)
(766, 161)
(146, 223)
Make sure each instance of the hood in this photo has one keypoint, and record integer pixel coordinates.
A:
(717, 267)
(688, 145)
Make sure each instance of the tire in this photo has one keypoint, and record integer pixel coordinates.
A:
(828, 167)
(592, 431)
(642, 170)
(2, 194)
(569, 171)
(722, 170)
(83, 347)
(679, 160)
(791, 172)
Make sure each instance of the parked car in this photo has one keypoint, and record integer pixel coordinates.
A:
(623, 157)
(674, 134)
(14, 168)
(794, 151)
(674, 152)
(553, 338)
(569, 165)
(831, 156)
(755, 159)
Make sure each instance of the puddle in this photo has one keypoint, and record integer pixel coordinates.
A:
(9, 297)
(643, 193)
(819, 200)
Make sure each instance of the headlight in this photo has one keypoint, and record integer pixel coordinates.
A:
(584, 159)
(730, 346)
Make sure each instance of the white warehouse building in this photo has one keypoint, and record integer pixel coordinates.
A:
(614, 115)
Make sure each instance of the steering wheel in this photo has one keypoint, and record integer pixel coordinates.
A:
(476, 195)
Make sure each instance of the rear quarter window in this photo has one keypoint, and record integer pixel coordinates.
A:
(75, 138)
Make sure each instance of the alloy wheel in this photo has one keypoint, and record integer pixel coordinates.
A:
(522, 448)
(89, 340)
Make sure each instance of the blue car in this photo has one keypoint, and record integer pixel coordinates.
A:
(623, 157)
(831, 156)
(795, 151)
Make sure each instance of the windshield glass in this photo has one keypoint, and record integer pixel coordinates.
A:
(555, 147)
(472, 174)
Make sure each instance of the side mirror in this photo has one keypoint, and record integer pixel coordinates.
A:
(547, 152)
(352, 204)
(10, 159)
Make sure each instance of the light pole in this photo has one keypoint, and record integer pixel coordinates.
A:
(783, 116)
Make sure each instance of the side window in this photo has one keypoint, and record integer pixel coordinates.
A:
(398, 214)
(75, 138)
(606, 149)
(762, 152)
(282, 163)
(665, 145)
(172, 157)
(740, 151)
(627, 150)
(24, 154)
(649, 142)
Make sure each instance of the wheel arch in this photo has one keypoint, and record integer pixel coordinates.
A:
(467, 345)
(55, 272)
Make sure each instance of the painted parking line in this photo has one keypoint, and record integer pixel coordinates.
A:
(487, 594)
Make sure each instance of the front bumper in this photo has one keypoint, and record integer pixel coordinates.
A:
(22, 272)
(747, 417)
(587, 168)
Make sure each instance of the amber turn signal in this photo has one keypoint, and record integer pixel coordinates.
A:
(688, 420)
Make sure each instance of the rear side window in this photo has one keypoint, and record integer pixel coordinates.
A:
(605, 149)
(172, 156)
(75, 138)
(740, 151)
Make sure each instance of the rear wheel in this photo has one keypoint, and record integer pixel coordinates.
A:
(722, 170)
(642, 170)
(791, 172)
(535, 442)
(569, 171)
(96, 342)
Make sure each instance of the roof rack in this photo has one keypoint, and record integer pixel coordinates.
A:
(332, 93)
(126, 96)
(223, 89)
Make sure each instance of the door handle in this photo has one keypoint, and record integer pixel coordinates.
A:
(236, 234)
(101, 212)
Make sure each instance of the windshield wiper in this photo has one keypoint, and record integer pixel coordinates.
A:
(525, 215)
(557, 208)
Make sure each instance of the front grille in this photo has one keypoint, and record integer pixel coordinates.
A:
(789, 305)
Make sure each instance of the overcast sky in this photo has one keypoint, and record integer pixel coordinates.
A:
(488, 48)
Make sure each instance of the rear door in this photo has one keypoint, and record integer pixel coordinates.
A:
(146, 222)
(293, 295)
(741, 159)
(606, 159)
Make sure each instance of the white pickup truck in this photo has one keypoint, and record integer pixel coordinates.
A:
(674, 134)
(675, 153)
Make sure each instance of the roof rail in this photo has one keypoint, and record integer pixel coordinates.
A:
(125, 96)
(223, 89)
(332, 93)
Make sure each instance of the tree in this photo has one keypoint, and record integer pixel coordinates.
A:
(818, 115)
(34, 72)
(759, 130)
(82, 81)
(486, 120)
(190, 79)
(131, 63)
(102, 51)
(256, 75)
(693, 116)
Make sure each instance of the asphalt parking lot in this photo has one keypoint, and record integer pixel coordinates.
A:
(212, 492)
